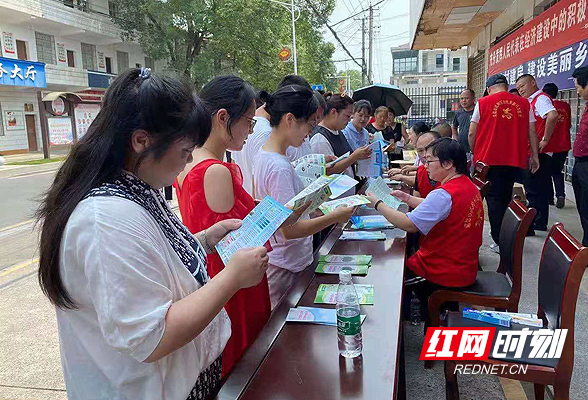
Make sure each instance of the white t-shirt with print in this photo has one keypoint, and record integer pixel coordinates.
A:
(274, 176)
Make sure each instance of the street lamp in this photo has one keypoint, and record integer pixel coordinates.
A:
(291, 7)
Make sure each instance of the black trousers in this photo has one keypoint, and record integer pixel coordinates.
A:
(537, 189)
(580, 184)
(557, 164)
(502, 179)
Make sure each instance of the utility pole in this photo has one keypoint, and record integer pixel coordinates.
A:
(371, 44)
(294, 39)
(363, 52)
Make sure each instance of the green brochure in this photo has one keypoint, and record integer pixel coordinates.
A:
(327, 294)
(357, 269)
(345, 259)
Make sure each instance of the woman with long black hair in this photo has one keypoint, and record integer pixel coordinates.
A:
(138, 316)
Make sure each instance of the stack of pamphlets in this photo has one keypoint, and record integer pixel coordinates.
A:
(362, 235)
(389, 181)
(380, 190)
(502, 318)
(313, 315)
(346, 259)
(327, 294)
(325, 268)
(351, 201)
(370, 222)
(257, 227)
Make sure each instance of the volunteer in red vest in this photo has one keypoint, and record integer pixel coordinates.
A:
(537, 184)
(419, 179)
(560, 144)
(580, 151)
(501, 129)
(451, 218)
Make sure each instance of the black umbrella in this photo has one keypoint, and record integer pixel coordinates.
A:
(384, 95)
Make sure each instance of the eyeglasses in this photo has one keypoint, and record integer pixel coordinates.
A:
(427, 162)
(252, 122)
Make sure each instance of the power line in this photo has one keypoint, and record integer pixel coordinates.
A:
(331, 29)
(356, 14)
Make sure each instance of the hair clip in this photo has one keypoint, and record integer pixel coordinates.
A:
(145, 73)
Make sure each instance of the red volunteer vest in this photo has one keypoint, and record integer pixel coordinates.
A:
(423, 182)
(502, 137)
(540, 125)
(448, 255)
(560, 140)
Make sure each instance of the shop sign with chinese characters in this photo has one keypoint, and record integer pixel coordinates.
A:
(22, 73)
(549, 47)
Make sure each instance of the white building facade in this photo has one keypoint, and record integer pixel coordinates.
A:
(74, 47)
(433, 79)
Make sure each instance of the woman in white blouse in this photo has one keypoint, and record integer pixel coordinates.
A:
(138, 316)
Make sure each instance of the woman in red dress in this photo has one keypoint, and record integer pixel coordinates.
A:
(210, 190)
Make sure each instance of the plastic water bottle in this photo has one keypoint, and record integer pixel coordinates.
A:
(385, 164)
(348, 318)
(415, 310)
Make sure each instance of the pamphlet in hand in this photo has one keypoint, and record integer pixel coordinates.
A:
(358, 269)
(370, 222)
(351, 201)
(371, 166)
(317, 192)
(379, 189)
(327, 294)
(344, 156)
(362, 235)
(310, 167)
(341, 184)
(346, 259)
(314, 315)
(257, 227)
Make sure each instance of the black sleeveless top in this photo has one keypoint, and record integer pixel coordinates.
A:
(338, 142)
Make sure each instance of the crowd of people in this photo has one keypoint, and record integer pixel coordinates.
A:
(147, 309)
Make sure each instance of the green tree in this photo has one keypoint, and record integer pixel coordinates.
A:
(204, 38)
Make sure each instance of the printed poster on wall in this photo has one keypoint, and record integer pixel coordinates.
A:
(85, 114)
(9, 46)
(60, 131)
(101, 61)
(14, 120)
(61, 54)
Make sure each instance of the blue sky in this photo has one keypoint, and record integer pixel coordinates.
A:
(390, 29)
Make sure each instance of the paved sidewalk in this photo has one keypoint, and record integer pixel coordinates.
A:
(33, 155)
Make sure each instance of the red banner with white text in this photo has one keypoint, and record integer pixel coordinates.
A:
(563, 24)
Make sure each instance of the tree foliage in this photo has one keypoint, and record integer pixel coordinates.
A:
(204, 38)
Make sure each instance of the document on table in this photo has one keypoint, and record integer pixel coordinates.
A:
(362, 235)
(258, 226)
(317, 192)
(314, 315)
(346, 259)
(327, 294)
(389, 181)
(351, 201)
(370, 222)
(341, 183)
(325, 268)
(371, 166)
(379, 189)
(344, 156)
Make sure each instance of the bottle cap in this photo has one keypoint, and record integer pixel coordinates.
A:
(345, 274)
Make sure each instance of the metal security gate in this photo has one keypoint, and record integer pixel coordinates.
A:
(433, 104)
